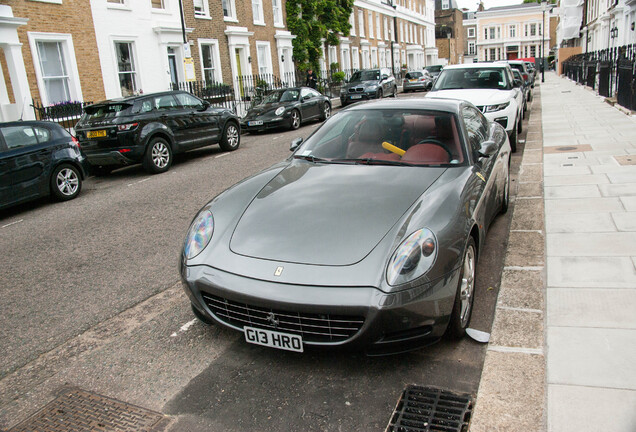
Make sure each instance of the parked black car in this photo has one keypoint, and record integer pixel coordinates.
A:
(151, 128)
(38, 158)
(368, 84)
(287, 107)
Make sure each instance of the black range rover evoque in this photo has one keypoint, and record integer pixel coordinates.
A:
(151, 128)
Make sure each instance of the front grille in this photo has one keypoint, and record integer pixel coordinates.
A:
(431, 409)
(311, 326)
(356, 89)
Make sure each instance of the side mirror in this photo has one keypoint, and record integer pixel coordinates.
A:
(204, 106)
(517, 83)
(487, 149)
(296, 142)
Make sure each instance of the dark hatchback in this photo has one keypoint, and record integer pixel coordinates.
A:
(287, 108)
(368, 84)
(38, 159)
(151, 128)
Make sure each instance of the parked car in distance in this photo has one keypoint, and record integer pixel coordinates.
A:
(488, 86)
(287, 107)
(368, 84)
(367, 237)
(526, 90)
(417, 80)
(151, 128)
(532, 70)
(521, 66)
(434, 70)
(38, 158)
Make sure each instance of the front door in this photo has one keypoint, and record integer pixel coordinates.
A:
(172, 64)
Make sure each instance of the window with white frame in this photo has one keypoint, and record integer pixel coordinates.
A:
(278, 12)
(401, 32)
(422, 37)
(471, 48)
(370, 25)
(355, 58)
(539, 29)
(157, 4)
(333, 55)
(210, 60)
(493, 53)
(201, 9)
(386, 28)
(471, 32)
(491, 32)
(126, 68)
(533, 29)
(352, 23)
(445, 4)
(533, 51)
(264, 58)
(361, 22)
(54, 71)
(513, 31)
(378, 28)
(498, 32)
(374, 57)
(392, 35)
(257, 11)
(229, 10)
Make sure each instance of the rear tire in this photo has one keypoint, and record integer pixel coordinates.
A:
(520, 123)
(66, 182)
(231, 137)
(513, 139)
(380, 94)
(158, 157)
(465, 296)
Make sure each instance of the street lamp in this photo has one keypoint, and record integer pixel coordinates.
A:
(543, 8)
(394, 6)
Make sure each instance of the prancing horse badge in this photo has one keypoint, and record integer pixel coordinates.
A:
(279, 271)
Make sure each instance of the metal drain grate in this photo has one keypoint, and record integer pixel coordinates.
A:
(431, 409)
(78, 411)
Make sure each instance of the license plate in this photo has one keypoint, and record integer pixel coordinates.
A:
(356, 97)
(96, 134)
(255, 123)
(273, 339)
(412, 80)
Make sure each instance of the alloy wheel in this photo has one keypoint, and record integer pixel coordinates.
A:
(160, 155)
(232, 136)
(67, 182)
(467, 286)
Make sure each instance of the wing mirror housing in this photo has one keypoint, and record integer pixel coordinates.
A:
(204, 106)
(517, 82)
(487, 149)
(296, 142)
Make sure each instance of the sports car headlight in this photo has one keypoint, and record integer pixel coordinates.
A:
(412, 258)
(499, 107)
(199, 234)
(279, 111)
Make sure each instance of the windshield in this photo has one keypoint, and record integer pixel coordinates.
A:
(472, 78)
(365, 75)
(435, 68)
(104, 111)
(282, 96)
(388, 137)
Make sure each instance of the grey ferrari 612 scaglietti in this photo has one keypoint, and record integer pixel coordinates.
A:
(367, 236)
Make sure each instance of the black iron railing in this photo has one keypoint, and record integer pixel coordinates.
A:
(65, 113)
(611, 71)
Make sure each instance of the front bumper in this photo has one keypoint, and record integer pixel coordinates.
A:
(390, 322)
(505, 117)
(349, 98)
(265, 123)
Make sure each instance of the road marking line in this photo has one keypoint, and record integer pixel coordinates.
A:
(185, 327)
(537, 268)
(221, 155)
(538, 311)
(527, 231)
(518, 350)
(141, 181)
(12, 223)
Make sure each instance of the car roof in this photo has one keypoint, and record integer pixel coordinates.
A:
(433, 104)
(132, 99)
(30, 123)
(475, 65)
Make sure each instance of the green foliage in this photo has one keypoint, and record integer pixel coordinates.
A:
(337, 77)
(335, 66)
(311, 21)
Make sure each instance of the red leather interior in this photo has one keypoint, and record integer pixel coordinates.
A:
(426, 153)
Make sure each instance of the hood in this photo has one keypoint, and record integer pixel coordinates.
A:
(366, 83)
(325, 214)
(477, 97)
(264, 108)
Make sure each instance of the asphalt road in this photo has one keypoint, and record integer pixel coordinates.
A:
(90, 297)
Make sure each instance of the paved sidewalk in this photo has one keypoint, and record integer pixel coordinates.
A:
(590, 215)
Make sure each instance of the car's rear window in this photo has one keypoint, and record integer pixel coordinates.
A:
(106, 110)
(472, 78)
(413, 75)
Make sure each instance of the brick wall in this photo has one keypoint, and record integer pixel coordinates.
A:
(71, 17)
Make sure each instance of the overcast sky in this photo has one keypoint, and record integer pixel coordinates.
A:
(472, 4)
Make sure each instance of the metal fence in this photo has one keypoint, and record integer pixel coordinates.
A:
(612, 72)
(66, 113)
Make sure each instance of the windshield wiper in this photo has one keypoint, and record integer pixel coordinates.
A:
(369, 161)
(314, 159)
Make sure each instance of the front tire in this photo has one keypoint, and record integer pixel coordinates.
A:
(158, 157)
(380, 94)
(394, 92)
(66, 182)
(465, 296)
(505, 202)
(294, 120)
(326, 112)
(231, 137)
(513, 139)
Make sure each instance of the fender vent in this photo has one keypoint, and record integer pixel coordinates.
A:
(431, 409)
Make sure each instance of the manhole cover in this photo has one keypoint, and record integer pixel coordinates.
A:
(626, 160)
(431, 409)
(567, 149)
(77, 410)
